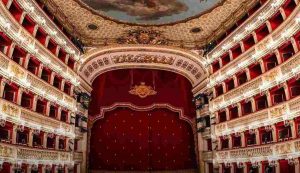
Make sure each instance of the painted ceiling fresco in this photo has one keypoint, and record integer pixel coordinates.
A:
(150, 12)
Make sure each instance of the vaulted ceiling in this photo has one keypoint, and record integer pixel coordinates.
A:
(191, 23)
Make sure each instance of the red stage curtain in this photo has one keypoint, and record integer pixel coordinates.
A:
(129, 140)
(285, 167)
(5, 168)
(112, 87)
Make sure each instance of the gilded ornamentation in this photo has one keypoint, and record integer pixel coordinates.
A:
(207, 155)
(178, 33)
(276, 112)
(143, 58)
(6, 151)
(272, 76)
(4, 62)
(182, 62)
(142, 90)
(10, 110)
(17, 71)
(283, 148)
(142, 37)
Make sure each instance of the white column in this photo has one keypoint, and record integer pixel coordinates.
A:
(239, 109)
(14, 134)
(206, 167)
(257, 137)
(260, 168)
(252, 101)
(248, 74)
(52, 78)
(19, 96)
(220, 168)
(277, 167)
(230, 142)
(243, 144)
(34, 102)
(45, 141)
(274, 133)
(232, 168)
(219, 143)
(12, 169)
(58, 116)
(69, 115)
(72, 90)
(227, 114)
(262, 66)
(286, 91)
(55, 168)
(245, 168)
(43, 169)
(293, 129)
(40, 70)
(297, 167)
(2, 88)
(47, 108)
(57, 142)
(26, 61)
(269, 99)
(67, 144)
(62, 86)
(28, 168)
(66, 169)
(30, 139)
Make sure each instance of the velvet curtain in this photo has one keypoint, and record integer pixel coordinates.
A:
(142, 140)
(128, 140)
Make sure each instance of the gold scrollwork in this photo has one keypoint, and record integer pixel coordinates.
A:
(142, 90)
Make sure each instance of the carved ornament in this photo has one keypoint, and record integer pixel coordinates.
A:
(142, 90)
(142, 37)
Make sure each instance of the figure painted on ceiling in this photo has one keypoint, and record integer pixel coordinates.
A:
(143, 9)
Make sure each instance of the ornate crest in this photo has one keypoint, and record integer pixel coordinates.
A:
(143, 37)
(142, 90)
(276, 112)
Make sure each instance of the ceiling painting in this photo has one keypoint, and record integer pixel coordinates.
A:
(150, 12)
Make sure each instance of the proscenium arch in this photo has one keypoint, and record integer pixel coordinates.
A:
(185, 63)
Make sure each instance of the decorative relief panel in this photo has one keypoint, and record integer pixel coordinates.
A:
(286, 68)
(21, 74)
(21, 153)
(3, 61)
(284, 148)
(10, 109)
(178, 61)
(17, 71)
(246, 120)
(294, 105)
(259, 153)
(6, 151)
(207, 155)
(251, 152)
(31, 118)
(78, 156)
(143, 58)
(277, 111)
(272, 78)
(267, 116)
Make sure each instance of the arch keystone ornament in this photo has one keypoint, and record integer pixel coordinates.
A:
(186, 63)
